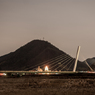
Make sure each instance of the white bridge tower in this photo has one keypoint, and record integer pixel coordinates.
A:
(77, 55)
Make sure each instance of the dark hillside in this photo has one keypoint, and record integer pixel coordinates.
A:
(91, 62)
(42, 50)
(31, 54)
(93, 66)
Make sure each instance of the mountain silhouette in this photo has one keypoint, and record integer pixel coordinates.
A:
(32, 54)
(91, 62)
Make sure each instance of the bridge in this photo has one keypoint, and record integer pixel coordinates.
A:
(59, 65)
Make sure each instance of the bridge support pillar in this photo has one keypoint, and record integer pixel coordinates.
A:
(77, 55)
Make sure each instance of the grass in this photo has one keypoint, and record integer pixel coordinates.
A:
(46, 86)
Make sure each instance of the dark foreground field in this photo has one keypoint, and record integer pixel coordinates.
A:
(46, 86)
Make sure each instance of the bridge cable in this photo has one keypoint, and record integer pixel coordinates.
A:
(67, 64)
(61, 62)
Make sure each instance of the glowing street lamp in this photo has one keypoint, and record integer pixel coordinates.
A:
(46, 68)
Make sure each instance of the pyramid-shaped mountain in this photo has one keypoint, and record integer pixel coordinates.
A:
(34, 53)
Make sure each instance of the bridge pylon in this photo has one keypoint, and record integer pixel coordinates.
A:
(77, 55)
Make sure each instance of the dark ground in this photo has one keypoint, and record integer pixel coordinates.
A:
(45, 85)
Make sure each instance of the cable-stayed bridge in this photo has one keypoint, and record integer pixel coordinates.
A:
(62, 62)
(58, 65)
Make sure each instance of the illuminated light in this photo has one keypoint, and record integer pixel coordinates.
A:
(46, 68)
(43, 73)
(3, 74)
(39, 69)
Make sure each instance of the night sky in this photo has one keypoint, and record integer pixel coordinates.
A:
(66, 24)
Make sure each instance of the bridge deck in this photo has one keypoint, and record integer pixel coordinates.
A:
(38, 72)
